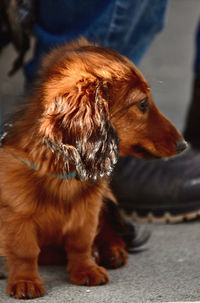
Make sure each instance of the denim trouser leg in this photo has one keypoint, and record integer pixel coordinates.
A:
(128, 26)
(132, 27)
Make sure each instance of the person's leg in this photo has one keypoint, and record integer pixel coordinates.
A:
(128, 26)
(193, 119)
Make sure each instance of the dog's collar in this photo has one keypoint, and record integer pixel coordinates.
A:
(33, 166)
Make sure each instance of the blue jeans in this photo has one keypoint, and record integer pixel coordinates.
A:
(128, 26)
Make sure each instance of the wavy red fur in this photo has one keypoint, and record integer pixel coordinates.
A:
(84, 111)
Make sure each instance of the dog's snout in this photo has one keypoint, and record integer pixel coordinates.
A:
(181, 145)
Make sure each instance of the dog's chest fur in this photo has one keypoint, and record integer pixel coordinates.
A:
(63, 207)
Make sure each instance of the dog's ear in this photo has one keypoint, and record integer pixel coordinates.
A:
(76, 126)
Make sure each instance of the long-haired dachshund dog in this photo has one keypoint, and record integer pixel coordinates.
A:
(89, 105)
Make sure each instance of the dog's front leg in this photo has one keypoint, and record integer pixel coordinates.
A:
(22, 260)
(82, 268)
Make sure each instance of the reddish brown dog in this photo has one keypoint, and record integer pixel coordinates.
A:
(90, 104)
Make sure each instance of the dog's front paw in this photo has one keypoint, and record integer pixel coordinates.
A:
(89, 275)
(25, 289)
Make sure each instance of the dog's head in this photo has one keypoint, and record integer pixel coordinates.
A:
(95, 104)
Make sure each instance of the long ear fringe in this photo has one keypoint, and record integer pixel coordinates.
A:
(65, 152)
(98, 146)
(81, 133)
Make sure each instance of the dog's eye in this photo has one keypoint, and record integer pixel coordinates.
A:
(143, 105)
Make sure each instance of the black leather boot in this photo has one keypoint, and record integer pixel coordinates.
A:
(159, 191)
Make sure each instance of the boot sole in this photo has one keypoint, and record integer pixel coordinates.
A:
(165, 218)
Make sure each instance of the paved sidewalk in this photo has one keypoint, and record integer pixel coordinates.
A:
(169, 269)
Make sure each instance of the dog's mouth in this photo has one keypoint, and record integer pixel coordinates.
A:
(144, 153)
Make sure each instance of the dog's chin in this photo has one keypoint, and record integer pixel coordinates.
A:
(143, 153)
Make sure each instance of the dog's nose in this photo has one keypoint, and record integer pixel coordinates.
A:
(181, 144)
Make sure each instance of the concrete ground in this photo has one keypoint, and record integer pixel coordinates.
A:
(168, 270)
